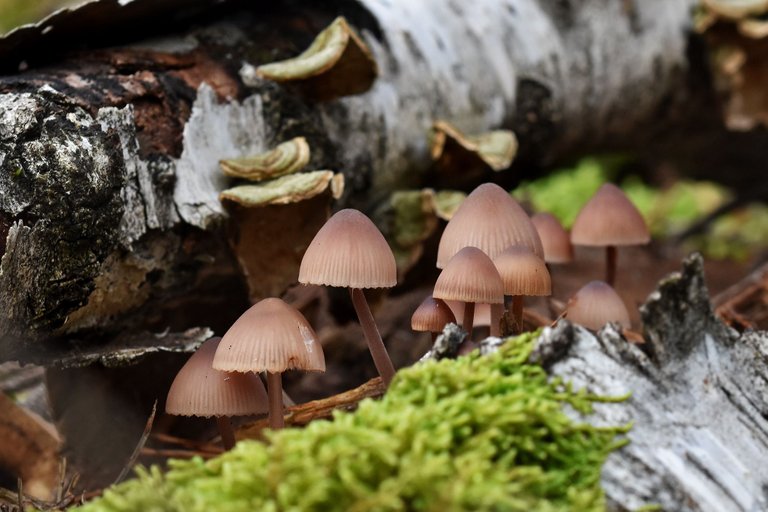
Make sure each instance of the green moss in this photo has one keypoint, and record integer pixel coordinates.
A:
(478, 433)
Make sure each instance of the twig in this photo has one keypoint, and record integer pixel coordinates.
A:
(137, 451)
(177, 454)
(201, 446)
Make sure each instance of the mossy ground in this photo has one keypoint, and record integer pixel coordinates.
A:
(477, 433)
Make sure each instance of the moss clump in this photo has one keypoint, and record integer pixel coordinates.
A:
(478, 433)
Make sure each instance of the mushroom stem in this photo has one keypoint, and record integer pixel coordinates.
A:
(227, 434)
(469, 318)
(497, 310)
(517, 313)
(610, 264)
(275, 392)
(371, 332)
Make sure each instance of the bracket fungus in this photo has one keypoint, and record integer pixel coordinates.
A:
(491, 220)
(596, 304)
(271, 336)
(431, 316)
(470, 277)
(200, 390)
(609, 220)
(350, 252)
(523, 274)
(337, 63)
(456, 152)
(286, 158)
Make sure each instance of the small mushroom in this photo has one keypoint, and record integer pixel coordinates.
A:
(350, 252)
(286, 158)
(337, 63)
(554, 238)
(470, 277)
(491, 220)
(200, 390)
(609, 220)
(523, 274)
(596, 304)
(271, 336)
(431, 316)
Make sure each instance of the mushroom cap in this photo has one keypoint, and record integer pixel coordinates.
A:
(491, 220)
(554, 238)
(270, 336)
(522, 272)
(432, 315)
(609, 218)
(470, 276)
(482, 313)
(596, 304)
(349, 251)
(199, 390)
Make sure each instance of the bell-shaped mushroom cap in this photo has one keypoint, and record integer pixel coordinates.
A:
(595, 305)
(491, 220)
(470, 276)
(432, 315)
(609, 218)
(199, 390)
(522, 272)
(554, 238)
(349, 251)
(270, 336)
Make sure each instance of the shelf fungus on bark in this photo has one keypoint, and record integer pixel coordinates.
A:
(287, 158)
(455, 152)
(337, 63)
(274, 222)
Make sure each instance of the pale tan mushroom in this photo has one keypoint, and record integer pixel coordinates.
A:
(596, 304)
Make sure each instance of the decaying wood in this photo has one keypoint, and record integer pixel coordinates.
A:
(29, 449)
(109, 181)
(300, 415)
(745, 304)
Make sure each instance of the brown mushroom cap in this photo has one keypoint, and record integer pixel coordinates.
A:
(349, 251)
(470, 276)
(270, 336)
(522, 272)
(199, 390)
(609, 218)
(491, 220)
(554, 238)
(596, 304)
(432, 315)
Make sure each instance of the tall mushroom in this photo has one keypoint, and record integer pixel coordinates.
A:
(491, 220)
(271, 337)
(554, 238)
(200, 390)
(431, 316)
(350, 252)
(596, 304)
(523, 274)
(608, 220)
(471, 278)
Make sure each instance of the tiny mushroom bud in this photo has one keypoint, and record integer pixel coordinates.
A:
(270, 336)
(470, 277)
(523, 273)
(609, 219)
(200, 390)
(431, 316)
(491, 220)
(554, 238)
(350, 252)
(596, 304)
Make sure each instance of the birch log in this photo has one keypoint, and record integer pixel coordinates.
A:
(109, 212)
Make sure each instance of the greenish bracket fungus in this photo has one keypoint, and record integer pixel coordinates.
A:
(273, 223)
(457, 153)
(337, 63)
(286, 158)
(474, 433)
(414, 221)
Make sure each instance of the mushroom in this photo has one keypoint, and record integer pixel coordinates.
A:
(200, 390)
(596, 304)
(554, 238)
(271, 337)
(350, 252)
(608, 220)
(491, 220)
(523, 273)
(431, 316)
(470, 277)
